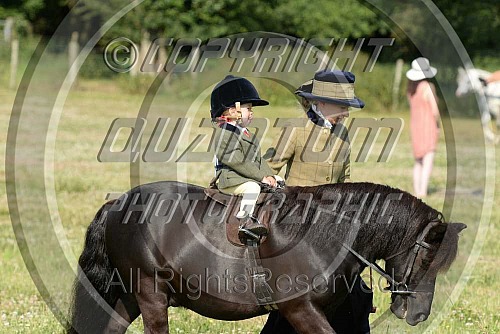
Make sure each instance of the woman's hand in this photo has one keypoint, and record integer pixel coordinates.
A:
(269, 180)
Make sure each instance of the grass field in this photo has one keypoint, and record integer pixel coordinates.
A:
(80, 178)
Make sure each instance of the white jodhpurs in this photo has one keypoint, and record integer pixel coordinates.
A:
(250, 191)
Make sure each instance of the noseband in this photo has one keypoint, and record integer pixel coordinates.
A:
(400, 287)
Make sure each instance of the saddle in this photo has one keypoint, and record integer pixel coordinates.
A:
(232, 202)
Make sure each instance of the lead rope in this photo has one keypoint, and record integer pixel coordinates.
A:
(261, 289)
(371, 279)
(374, 308)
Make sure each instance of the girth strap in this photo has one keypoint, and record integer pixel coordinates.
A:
(257, 273)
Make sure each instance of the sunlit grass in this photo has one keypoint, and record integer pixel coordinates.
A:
(81, 179)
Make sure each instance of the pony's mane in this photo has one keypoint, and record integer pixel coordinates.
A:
(376, 232)
(475, 72)
(481, 73)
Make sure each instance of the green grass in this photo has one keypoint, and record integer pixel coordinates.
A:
(80, 178)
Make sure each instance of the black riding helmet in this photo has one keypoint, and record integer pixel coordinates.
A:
(231, 90)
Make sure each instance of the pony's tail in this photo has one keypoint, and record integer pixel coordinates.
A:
(92, 294)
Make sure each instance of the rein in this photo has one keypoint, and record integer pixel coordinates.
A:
(419, 243)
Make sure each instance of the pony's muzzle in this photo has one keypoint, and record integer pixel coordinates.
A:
(413, 321)
(399, 306)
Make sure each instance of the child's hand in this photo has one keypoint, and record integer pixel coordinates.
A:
(269, 180)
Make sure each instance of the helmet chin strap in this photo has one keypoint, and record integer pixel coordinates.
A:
(236, 119)
(237, 106)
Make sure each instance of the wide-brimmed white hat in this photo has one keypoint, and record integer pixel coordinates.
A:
(421, 69)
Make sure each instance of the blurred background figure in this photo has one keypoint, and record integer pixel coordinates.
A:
(487, 85)
(424, 121)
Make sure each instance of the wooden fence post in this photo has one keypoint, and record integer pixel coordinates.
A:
(8, 29)
(143, 50)
(73, 50)
(162, 60)
(397, 84)
(14, 59)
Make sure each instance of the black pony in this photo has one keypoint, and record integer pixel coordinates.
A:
(162, 244)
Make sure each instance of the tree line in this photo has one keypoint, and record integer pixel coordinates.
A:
(474, 21)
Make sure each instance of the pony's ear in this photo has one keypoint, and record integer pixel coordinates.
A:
(458, 227)
(436, 233)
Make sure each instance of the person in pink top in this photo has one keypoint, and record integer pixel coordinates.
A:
(424, 123)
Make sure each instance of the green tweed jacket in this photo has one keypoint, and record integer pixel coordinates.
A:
(239, 157)
(313, 155)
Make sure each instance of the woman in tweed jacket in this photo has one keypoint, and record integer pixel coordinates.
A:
(318, 150)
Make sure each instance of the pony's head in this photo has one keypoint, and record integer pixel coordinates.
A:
(468, 81)
(416, 268)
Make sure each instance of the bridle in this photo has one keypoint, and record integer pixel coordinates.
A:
(400, 287)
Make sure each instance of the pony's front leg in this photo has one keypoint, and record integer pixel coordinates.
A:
(126, 311)
(485, 121)
(154, 306)
(497, 123)
(306, 318)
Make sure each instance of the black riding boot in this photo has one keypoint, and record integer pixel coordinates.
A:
(251, 228)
